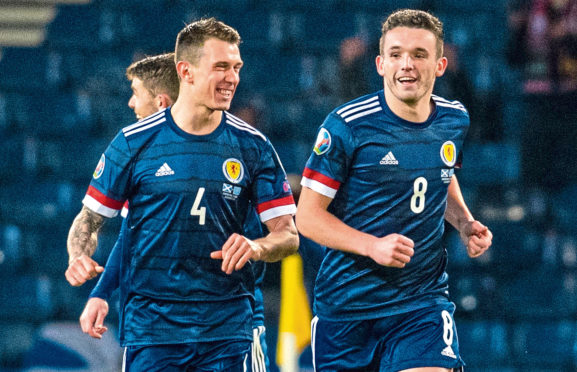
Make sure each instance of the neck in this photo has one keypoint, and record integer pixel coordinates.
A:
(415, 112)
(197, 120)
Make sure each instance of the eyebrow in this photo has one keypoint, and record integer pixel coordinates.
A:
(226, 64)
(397, 48)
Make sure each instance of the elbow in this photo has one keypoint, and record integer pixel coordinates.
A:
(295, 242)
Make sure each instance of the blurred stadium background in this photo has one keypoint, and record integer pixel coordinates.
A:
(63, 96)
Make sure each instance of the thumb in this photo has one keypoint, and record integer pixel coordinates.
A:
(99, 323)
(99, 269)
(217, 255)
(477, 228)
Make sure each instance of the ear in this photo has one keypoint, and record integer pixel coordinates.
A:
(380, 62)
(184, 70)
(441, 66)
(162, 101)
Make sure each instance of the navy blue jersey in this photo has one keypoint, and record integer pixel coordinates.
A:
(110, 278)
(187, 195)
(385, 175)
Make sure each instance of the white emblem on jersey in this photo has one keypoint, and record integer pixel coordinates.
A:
(165, 170)
(446, 174)
(389, 159)
(230, 192)
(448, 351)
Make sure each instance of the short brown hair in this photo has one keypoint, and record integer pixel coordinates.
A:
(191, 38)
(158, 74)
(414, 19)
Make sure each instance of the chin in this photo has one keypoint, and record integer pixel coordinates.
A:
(221, 107)
(410, 100)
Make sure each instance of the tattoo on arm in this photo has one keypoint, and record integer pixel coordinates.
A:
(83, 235)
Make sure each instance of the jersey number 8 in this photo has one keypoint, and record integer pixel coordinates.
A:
(418, 199)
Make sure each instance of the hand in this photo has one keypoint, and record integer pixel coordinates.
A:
(477, 238)
(393, 250)
(92, 318)
(81, 269)
(236, 252)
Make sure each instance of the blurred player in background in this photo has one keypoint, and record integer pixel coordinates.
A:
(154, 84)
(377, 190)
(154, 88)
(190, 174)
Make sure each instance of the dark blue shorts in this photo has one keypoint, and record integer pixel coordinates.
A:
(228, 355)
(257, 360)
(422, 338)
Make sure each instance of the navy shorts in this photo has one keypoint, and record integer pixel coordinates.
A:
(257, 360)
(422, 338)
(227, 355)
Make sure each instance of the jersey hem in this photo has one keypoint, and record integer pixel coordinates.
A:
(402, 308)
(125, 343)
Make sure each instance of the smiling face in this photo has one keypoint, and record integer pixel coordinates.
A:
(409, 66)
(216, 75)
(142, 101)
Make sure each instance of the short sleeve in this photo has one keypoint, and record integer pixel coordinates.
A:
(271, 190)
(328, 164)
(109, 186)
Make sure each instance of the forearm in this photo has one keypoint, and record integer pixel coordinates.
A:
(83, 234)
(282, 241)
(457, 212)
(326, 229)
(109, 280)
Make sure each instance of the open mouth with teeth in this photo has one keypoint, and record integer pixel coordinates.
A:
(226, 93)
(406, 80)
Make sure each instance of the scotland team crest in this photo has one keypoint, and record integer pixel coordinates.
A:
(449, 153)
(233, 170)
(99, 167)
(323, 142)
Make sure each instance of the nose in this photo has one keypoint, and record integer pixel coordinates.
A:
(131, 102)
(407, 63)
(232, 76)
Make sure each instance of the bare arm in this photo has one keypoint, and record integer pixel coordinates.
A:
(317, 223)
(476, 236)
(457, 213)
(281, 241)
(83, 234)
(81, 244)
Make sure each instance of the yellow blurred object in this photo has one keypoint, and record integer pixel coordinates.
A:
(295, 315)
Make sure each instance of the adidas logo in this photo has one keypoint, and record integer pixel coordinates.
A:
(389, 159)
(448, 351)
(165, 170)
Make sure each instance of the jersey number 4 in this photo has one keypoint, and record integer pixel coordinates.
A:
(196, 211)
(418, 198)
